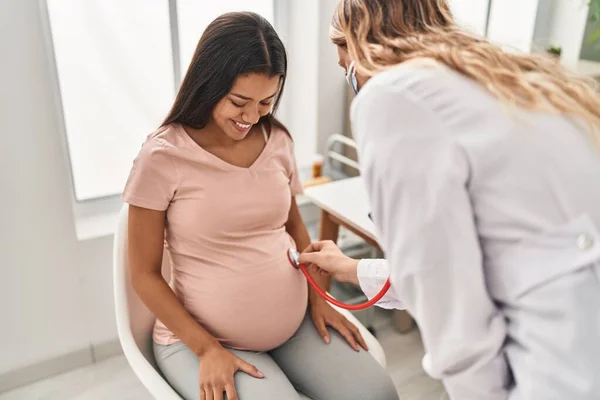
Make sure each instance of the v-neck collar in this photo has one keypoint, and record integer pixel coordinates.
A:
(219, 160)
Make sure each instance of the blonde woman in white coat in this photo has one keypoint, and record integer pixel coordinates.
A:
(483, 173)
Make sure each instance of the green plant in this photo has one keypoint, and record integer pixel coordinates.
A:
(554, 50)
(594, 17)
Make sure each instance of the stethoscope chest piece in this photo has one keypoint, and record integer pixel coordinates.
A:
(293, 256)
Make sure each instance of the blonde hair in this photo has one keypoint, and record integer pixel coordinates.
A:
(380, 34)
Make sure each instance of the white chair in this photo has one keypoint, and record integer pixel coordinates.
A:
(135, 322)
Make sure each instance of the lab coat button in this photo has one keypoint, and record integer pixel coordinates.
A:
(585, 242)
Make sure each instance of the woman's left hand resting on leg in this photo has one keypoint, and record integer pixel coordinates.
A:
(323, 315)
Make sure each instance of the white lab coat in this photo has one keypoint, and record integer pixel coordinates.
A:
(489, 219)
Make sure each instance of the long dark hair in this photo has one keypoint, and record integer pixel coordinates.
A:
(234, 44)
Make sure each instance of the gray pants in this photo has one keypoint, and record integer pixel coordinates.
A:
(304, 363)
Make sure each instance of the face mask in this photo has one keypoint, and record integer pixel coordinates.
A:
(351, 77)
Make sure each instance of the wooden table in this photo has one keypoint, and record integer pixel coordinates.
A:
(345, 203)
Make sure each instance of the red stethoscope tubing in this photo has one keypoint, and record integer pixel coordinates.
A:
(326, 296)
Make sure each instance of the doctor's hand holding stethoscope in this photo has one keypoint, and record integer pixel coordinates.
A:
(482, 168)
(327, 257)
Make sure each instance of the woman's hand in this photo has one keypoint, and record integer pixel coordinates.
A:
(323, 315)
(217, 368)
(329, 259)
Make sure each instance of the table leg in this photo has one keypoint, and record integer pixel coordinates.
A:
(403, 322)
(328, 230)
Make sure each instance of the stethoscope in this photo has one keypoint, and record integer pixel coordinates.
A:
(293, 256)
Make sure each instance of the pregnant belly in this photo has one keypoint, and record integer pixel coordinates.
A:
(256, 311)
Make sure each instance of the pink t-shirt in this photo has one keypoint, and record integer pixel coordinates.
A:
(225, 236)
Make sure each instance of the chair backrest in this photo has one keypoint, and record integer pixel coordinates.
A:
(338, 164)
(134, 321)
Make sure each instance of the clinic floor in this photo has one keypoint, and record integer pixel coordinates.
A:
(113, 379)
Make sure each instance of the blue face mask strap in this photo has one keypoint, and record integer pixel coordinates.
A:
(351, 77)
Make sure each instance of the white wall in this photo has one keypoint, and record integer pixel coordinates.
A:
(332, 83)
(315, 92)
(302, 83)
(55, 292)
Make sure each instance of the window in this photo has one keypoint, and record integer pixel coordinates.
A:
(472, 14)
(512, 23)
(193, 16)
(117, 73)
(117, 67)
